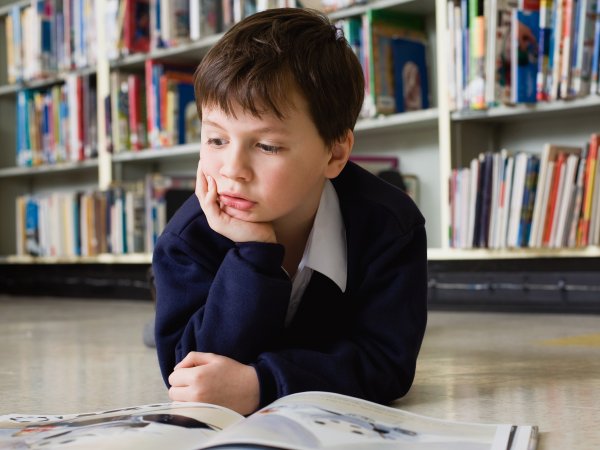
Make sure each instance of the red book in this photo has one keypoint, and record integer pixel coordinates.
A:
(136, 29)
(135, 120)
(553, 198)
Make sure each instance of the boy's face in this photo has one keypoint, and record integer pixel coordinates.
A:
(266, 169)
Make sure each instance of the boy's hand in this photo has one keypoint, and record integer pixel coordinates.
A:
(235, 229)
(216, 379)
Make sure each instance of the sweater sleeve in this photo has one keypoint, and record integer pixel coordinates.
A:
(233, 307)
(375, 357)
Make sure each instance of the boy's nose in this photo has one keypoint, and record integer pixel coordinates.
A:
(235, 165)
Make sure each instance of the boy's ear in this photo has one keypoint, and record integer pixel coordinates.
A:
(340, 152)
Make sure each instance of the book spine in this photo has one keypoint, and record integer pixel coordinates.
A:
(588, 192)
(545, 33)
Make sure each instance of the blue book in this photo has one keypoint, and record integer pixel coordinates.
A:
(524, 58)
(531, 176)
(185, 99)
(596, 53)
(411, 86)
(32, 242)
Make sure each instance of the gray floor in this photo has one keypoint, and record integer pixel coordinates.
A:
(64, 356)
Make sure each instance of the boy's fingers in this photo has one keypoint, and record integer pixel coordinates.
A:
(193, 359)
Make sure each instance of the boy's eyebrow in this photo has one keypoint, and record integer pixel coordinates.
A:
(266, 129)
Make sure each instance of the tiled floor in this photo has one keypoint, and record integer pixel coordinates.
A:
(62, 356)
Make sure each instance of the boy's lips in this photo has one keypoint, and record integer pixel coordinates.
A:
(234, 201)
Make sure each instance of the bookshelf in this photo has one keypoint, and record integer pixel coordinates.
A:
(429, 143)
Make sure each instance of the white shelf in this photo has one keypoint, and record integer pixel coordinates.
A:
(158, 153)
(410, 6)
(136, 258)
(5, 9)
(414, 119)
(190, 50)
(534, 111)
(47, 169)
(443, 254)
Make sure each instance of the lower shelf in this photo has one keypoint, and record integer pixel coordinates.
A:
(562, 285)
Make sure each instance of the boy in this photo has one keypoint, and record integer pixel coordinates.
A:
(291, 269)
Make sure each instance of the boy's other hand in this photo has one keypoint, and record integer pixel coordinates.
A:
(216, 379)
(235, 229)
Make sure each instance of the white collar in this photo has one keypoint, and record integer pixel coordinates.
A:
(325, 250)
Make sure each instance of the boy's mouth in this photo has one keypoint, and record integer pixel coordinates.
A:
(233, 201)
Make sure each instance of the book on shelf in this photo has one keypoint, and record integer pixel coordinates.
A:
(411, 79)
(544, 205)
(380, 27)
(167, 102)
(476, 51)
(524, 200)
(583, 227)
(524, 55)
(309, 420)
(498, 62)
(156, 188)
(47, 36)
(126, 218)
(534, 51)
(583, 47)
(595, 71)
(58, 123)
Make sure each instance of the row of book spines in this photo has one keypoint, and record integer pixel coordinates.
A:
(48, 36)
(57, 124)
(505, 201)
(153, 109)
(125, 219)
(558, 59)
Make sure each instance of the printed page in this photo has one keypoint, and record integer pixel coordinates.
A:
(316, 420)
(159, 426)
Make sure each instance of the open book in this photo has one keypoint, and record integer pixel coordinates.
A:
(310, 420)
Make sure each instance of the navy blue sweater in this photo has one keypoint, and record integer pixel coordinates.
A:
(214, 295)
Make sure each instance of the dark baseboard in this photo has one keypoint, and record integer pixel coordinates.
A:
(565, 285)
(119, 281)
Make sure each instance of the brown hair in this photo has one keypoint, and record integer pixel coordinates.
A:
(260, 59)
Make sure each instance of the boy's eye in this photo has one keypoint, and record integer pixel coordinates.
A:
(215, 142)
(268, 148)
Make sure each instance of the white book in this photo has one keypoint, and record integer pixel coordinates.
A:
(195, 15)
(555, 214)
(458, 66)
(496, 179)
(505, 200)
(563, 208)
(582, 66)
(465, 196)
(302, 421)
(451, 55)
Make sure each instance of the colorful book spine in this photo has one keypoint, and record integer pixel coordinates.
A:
(588, 191)
(543, 74)
(524, 64)
(595, 72)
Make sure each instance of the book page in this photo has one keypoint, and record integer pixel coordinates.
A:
(159, 426)
(331, 421)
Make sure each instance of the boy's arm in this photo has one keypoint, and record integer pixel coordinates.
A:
(215, 306)
(375, 358)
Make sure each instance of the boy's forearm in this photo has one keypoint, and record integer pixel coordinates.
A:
(233, 312)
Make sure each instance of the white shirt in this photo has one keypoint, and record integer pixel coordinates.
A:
(325, 250)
